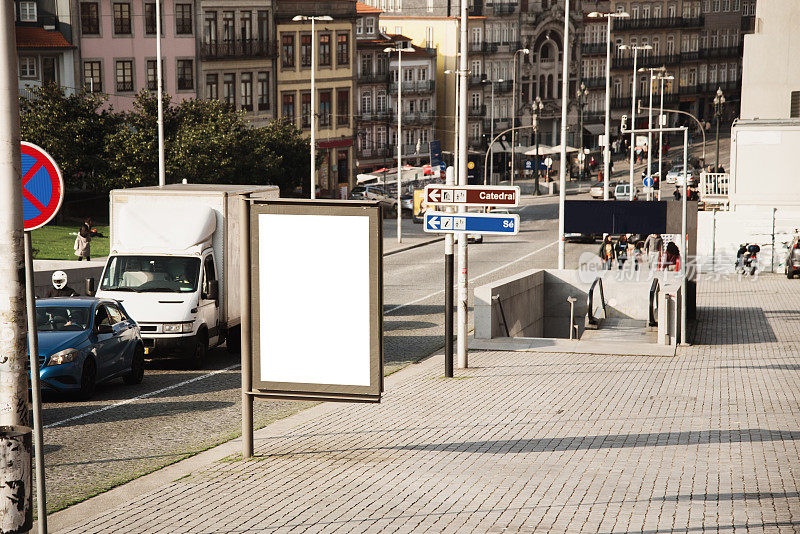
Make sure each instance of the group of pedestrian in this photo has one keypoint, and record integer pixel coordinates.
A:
(650, 252)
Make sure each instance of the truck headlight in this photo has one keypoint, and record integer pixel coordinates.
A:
(177, 328)
(65, 356)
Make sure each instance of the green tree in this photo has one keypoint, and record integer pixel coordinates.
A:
(74, 129)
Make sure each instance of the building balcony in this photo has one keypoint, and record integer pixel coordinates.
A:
(645, 61)
(419, 117)
(653, 23)
(366, 78)
(503, 87)
(477, 111)
(748, 24)
(475, 48)
(244, 48)
(427, 86)
(373, 153)
(475, 79)
(720, 52)
(621, 102)
(594, 83)
(501, 8)
(286, 9)
(476, 143)
(374, 116)
(588, 49)
(728, 88)
(594, 116)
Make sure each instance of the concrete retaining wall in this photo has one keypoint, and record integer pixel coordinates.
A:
(522, 300)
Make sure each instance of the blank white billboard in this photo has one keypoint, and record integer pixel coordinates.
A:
(314, 299)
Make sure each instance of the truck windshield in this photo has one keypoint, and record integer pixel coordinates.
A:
(151, 273)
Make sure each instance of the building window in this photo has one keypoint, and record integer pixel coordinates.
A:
(263, 91)
(366, 102)
(92, 76)
(305, 110)
(90, 18)
(342, 49)
(122, 19)
(185, 74)
(287, 50)
(359, 26)
(229, 89)
(150, 19)
(794, 106)
(380, 102)
(246, 83)
(212, 87)
(325, 49)
(210, 28)
(287, 106)
(343, 107)
(183, 19)
(246, 26)
(325, 109)
(305, 50)
(27, 67)
(228, 27)
(369, 25)
(27, 11)
(152, 75)
(263, 26)
(124, 75)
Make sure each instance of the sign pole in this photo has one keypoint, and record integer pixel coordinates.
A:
(448, 289)
(13, 389)
(36, 392)
(246, 351)
(462, 180)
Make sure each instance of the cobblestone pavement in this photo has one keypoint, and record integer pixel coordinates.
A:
(525, 442)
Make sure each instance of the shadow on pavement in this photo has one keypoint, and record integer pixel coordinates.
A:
(414, 309)
(732, 326)
(128, 412)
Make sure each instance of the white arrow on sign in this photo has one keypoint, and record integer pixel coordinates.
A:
(433, 195)
(433, 222)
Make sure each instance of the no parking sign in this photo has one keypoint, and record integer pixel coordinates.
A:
(42, 187)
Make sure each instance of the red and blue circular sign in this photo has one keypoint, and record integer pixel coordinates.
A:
(42, 187)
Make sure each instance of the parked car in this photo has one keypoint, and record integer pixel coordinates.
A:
(84, 341)
(375, 192)
(623, 192)
(596, 191)
(793, 258)
(675, 175)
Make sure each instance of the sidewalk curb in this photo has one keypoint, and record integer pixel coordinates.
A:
(132, 490)
(415, 245)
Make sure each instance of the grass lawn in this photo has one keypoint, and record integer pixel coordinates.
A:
(53, 242)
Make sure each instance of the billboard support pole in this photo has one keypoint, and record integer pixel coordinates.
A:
(246, 352)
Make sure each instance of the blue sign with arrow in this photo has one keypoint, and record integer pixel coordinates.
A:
(648, 181)
(437, 222)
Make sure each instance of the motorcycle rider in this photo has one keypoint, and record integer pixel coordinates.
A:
(60, 287)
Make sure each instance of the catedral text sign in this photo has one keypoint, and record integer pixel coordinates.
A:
(472, 195)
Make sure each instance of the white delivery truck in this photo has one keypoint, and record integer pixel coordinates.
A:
(174, 264)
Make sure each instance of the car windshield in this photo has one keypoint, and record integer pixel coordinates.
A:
(151, 274)
(62, 318)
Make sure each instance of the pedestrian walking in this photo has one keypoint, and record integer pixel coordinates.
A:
(672, 261)
(82, 241)
(606, 252)
(621, 250)
(652, 247)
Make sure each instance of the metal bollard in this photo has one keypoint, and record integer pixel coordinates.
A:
(16, 493)
(572, 324)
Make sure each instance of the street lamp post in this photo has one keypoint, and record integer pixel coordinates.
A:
(661, 78)
(491, 130)
(719, 104)
(538, 105)
(633, 107)
(514, 107)
(306, 18)
(399, 207)
(606, 143)
(582, 93)
(649, 171)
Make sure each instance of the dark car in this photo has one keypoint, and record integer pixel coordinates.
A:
(84, 341)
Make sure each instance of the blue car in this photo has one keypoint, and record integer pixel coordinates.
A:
(84, 341)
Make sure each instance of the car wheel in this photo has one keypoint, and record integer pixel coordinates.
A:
(136, 374)
(88, 379)
(234, 340)
(198, 357)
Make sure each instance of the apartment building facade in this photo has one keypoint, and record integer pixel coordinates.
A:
(45, 49)
(118, 48)
(237, 56)
(335, 84)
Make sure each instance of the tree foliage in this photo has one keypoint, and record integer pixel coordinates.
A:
(205, 141)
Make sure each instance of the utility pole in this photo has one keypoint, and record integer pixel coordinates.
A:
(15, 442)
(161, 172)
(462, 180)
(448, 289)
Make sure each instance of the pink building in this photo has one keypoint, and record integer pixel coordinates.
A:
(118, 48)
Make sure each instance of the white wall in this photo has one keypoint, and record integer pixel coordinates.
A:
(769, 66)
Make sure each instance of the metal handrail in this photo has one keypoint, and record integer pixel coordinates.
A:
(590, 313)
(496, 298)
(655, 289)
